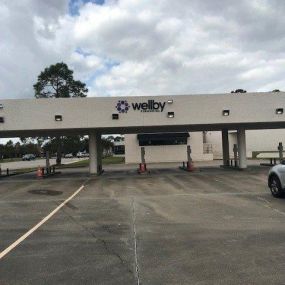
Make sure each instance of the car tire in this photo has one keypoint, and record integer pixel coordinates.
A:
(275, 187)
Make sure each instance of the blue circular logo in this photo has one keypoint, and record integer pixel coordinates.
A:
(122, 106)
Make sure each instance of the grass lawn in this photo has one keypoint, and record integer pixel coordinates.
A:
(10, 159)
(25, 170)
(81, 163)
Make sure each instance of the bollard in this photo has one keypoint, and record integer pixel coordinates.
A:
(190, 166)
(7, 171)
(40, 173)
(142, 165)
(142, 155)
(235, 150)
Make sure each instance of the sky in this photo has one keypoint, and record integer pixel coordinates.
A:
(133, 47)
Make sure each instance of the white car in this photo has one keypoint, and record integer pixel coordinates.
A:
(28, 157)
(276, 180)
(82, 154)
(69, 155)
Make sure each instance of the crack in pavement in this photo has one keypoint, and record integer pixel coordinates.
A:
(135, 241)
(107, 248)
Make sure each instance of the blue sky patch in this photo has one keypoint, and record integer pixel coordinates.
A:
(74, 5)
(108, 64)
(82, 52)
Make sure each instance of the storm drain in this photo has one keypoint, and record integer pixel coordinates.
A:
(45, 192)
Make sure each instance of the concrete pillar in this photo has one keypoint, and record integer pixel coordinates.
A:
(280, 149)
(235, 150)
(99, 153)
(142, 155)
(95, 153)
(189, 158)
(226, 150)
(241, 148)
(47, 162)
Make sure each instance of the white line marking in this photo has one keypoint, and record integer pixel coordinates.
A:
(270, 207)
(23, 237)
(263, 199)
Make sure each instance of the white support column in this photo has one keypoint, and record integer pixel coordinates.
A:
(99, 153)
(95, 157)
(226, 150)
(92, 153)
(241, 148)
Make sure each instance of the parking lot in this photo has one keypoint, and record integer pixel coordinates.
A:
(212, 226)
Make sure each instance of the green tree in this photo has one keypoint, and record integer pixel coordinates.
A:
(17, 147)
(56, 81)
(72, 144)
(9, 149)
(106, 146)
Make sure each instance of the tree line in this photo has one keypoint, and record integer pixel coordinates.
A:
(39, 146)
(15, 150)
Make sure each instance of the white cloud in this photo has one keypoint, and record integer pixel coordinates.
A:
(131, 47)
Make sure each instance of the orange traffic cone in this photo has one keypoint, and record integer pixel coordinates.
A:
(142, 168)
(40, 172)
(190, 166)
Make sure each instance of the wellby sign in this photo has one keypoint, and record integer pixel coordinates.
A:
(150, 106)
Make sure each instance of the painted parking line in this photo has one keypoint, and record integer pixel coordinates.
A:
(27, 234)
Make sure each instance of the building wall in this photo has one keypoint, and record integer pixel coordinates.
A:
(165, 153)
(32, 117)
(256, 140)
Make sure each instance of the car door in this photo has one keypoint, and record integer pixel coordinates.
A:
(281, 171)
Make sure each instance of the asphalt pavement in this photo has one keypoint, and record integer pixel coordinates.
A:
(212, 226)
